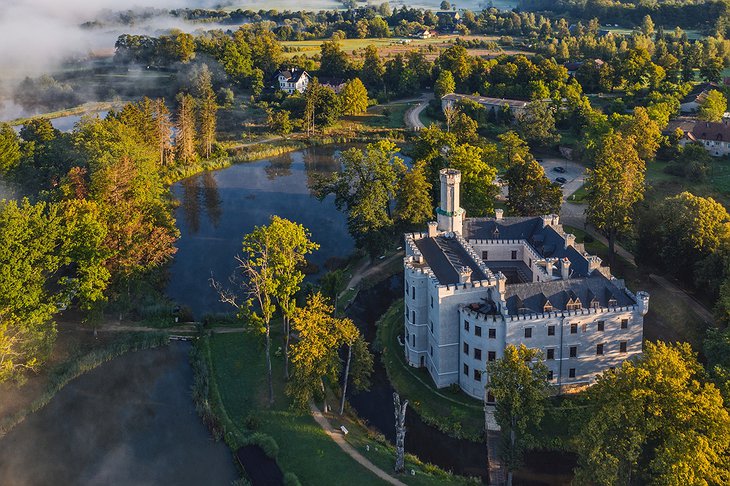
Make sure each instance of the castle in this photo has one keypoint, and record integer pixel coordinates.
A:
(476, 285)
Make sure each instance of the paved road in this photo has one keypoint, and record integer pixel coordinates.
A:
(339, 439)
(412, 114)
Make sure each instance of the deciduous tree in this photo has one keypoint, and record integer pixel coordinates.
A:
(713, 106)
(413, 201)
(530, 191)
(353, 98)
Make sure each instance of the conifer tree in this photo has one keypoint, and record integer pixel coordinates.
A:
(185, 126)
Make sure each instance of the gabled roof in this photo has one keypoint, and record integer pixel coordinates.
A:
(532, 297)
(444, 255)
(291, 75)
(715, 131)
(485, 100)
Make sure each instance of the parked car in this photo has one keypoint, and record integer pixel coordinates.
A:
(561, 180)
(559, 169)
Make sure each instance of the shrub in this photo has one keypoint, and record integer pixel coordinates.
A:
(266, 442)
(291, 479)
(252, 421)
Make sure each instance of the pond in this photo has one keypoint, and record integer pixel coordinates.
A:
(130, 421)
(218, 208)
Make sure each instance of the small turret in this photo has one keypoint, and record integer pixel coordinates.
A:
(642, 300)
(449, 215)
(464, 275)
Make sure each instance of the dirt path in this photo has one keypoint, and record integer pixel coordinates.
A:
(698, 308)
(412, 114)
(339, 439)
(361, 272)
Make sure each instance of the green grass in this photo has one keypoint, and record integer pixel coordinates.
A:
(716, 185)
(452, 412)
(86, 108)
(579, 195)
(239, 373)
(376, 116)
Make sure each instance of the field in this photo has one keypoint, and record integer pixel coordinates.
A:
(389, 47)
(717, 184)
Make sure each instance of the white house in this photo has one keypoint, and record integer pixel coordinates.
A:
(714, 136)
(473, 286)
(291, 80)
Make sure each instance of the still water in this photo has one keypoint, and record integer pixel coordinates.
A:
(218, 208)
(128, 422)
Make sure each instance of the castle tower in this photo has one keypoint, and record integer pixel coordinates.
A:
(449, 215)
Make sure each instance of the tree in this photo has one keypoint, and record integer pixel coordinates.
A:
(207, 108)
(713, 106)
(465, 129)
(537, 124)
(353, 98)
(400, 432)
(9, 148)
(647, 26)
(291, 246)
(514, 150)
(444, 85)
(258, 283)
(518, 382)
(359, 365)
(655, 420)
(321, 106)
(185, 129)
(31, 255)
(279, 122)
(314, 356)
(333, 60)
(413, 201)
(445, 5)
(644, 132)
(530, 191)
(163, 132)
(478, 174)
(372, 68)
(716, 348)
(364, 189)
(615, 185)
(450, 114)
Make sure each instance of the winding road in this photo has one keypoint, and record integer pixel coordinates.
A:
(412, 114)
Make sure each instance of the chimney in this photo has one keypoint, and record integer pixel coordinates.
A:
(464, 275)
(549, 266)
(594, 263)
(501, 284)
(569, 240)
(565, 268)
(498, 214)
(432, 229)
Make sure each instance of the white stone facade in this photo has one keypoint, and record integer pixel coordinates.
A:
(461, 311)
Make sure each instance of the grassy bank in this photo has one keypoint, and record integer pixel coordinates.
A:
(63, 373)
(238, 398)
(450, 411)
(90, 108)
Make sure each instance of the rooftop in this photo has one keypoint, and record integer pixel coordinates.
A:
(484, 100)
(445, 257)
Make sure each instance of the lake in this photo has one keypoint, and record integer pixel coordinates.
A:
(218, 208)
(130, 421)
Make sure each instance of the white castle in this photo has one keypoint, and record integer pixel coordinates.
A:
(474, 286)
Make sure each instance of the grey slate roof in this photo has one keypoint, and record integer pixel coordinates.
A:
(531, 297)
(444, 255)
(546, 241)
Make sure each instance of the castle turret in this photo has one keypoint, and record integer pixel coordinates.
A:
(642, 301)
(450, 216)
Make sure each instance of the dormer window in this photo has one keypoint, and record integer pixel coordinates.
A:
(548, 307)
(573, 304)
(612, 302)
(595, 304)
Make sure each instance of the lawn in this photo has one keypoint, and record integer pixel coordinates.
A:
(717, 184)
(304, 448)
(381, 116)
(451, 411)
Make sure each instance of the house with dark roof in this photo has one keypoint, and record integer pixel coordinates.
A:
(494, 106)
(291, 80)
(714, 136)
(474, 286)
(691, 103)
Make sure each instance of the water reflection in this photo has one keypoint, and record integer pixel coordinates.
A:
(238, 198)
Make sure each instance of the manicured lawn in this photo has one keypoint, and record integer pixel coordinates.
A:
(716, 185)
(451, 411)
(579, 195)
(304, 449)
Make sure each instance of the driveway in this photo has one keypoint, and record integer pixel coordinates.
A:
(413, 121)
(574, 174)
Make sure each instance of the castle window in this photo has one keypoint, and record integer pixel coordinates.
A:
(466, 369)
(571, 373)
(431, 351)
(466, 326)
(622, 346)
(551, 353)
(477, 353)
(612, 302)
(624, 323)
(477, 375)
(599, 349)
(413, 314)
(514, 254)
(574, 328)
(413, 292)
(492, 334)
(414, 342)
(466, 349)
(477, 330)
(601, 325)
(574, 351)
(491, 356)
(551, 330)
(550, 375)
(573, 304)
(431, 302)
(548, 307)
(528, 332)
(431, 327)
(595, 304)
(485, 255)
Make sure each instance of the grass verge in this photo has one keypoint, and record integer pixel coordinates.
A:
(449, 410)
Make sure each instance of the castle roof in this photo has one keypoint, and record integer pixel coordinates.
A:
(532, 297)
(545, 240)
(445, 257)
